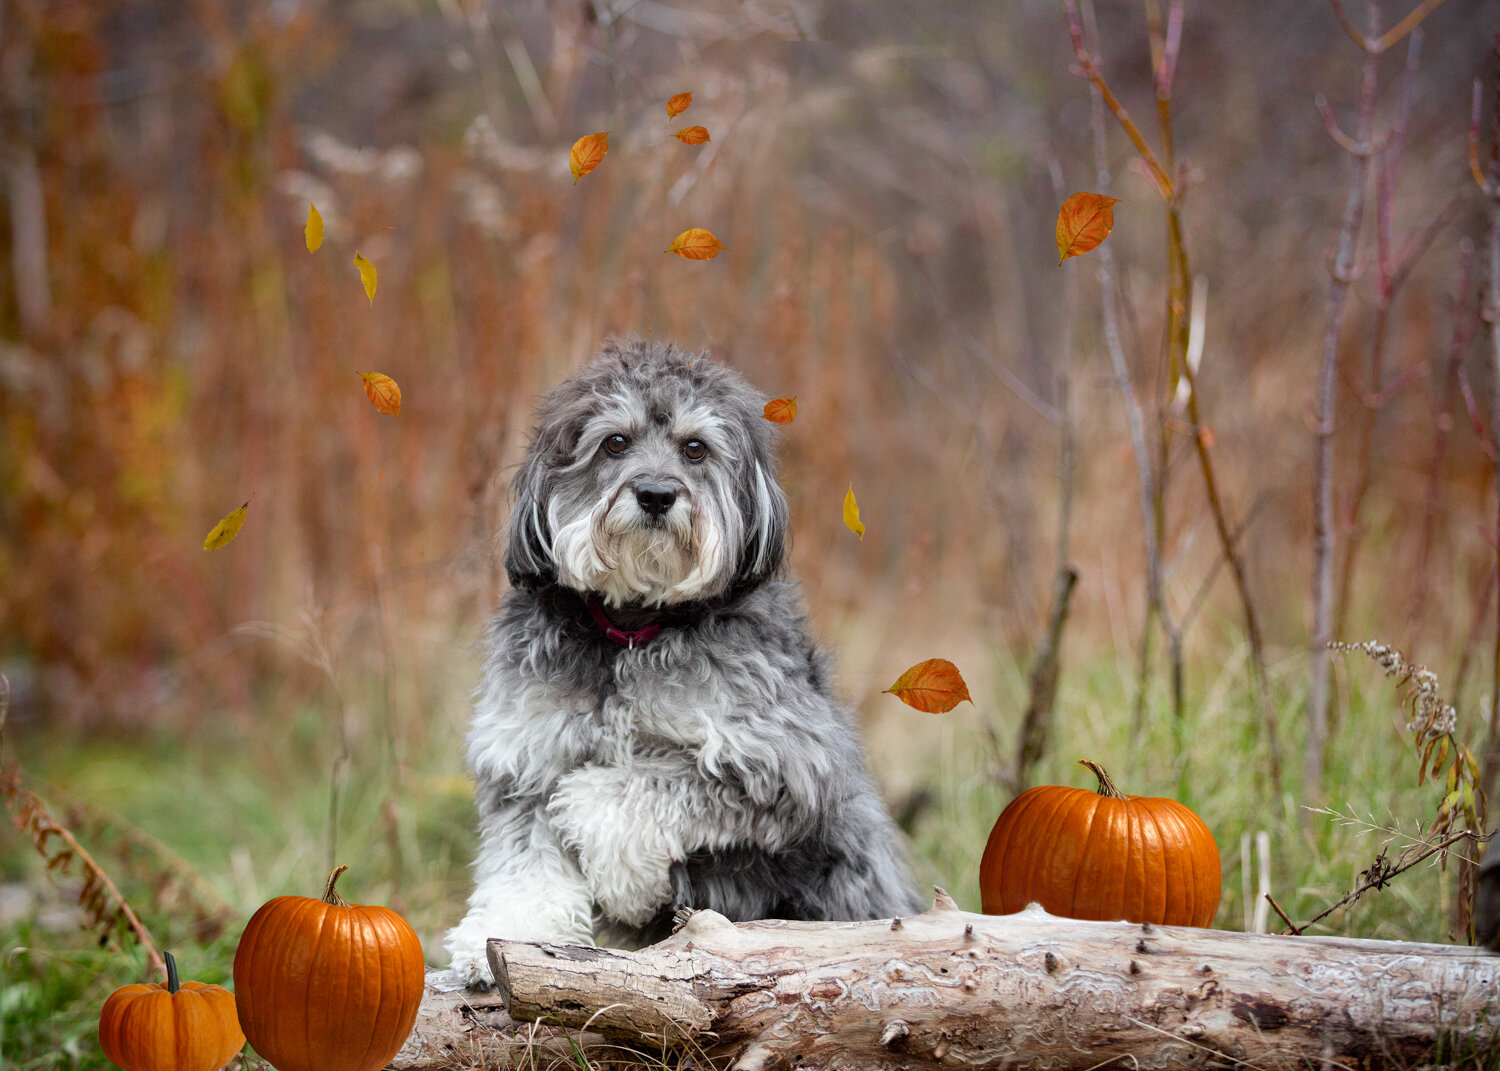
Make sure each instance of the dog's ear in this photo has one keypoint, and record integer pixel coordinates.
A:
(765, 512)
(528, 539)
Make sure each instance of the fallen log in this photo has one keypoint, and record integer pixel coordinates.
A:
(952, 989)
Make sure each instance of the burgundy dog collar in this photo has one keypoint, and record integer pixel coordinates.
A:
(624, 639)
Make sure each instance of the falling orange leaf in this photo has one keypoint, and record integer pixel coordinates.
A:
(934, 686)
(314, 229)
(226, 529)
(851, 515)
(678, 104)
(693, 135)
(1083, 221)
(588, 153)
(695, 243)
(366, 275)
(781, 410)
(384, 394)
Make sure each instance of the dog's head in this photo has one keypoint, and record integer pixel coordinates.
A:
(650, 480)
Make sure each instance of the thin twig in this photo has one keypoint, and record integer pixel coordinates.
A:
(1292, 926)
(1474, 168)
(1042, 692)
(1341, 273)
(1088, 68)
(1375, 45)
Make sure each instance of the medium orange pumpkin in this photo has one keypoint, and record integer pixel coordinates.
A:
(1101, 855)
(325, 985)
(170, 1026)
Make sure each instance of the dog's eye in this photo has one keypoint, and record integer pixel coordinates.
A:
(616, 444)
(694, 450)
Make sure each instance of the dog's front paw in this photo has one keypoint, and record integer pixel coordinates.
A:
(468, 946)
(473, 970)
(621, 845)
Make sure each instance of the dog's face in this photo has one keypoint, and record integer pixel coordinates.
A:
(650, 480)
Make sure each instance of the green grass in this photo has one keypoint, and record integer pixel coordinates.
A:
(251, 817)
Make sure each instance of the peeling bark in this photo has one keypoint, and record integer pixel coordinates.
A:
(458, 1028)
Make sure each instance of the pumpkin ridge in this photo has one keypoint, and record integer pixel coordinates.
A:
(1085, 853)
(1185, 836)
(191, 1029)
(226, 1023)
(314, 962)
(135, 1031)
(1010, 862)
(281, 939)
(1214, 877)
(993, 864)
(1120, 849)
(1171, 863)
(370, 948)
(1018, 874)
(1037, 856)
(997, 863)
(1140, 852)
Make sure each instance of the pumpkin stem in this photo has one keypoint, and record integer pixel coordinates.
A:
(1106, 786)
(331, 897)
(173, 985)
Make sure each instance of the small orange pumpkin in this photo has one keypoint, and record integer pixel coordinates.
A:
(1101, 855)
(325, 985)
(170, 1026)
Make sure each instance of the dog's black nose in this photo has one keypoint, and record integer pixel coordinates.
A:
(655, 498)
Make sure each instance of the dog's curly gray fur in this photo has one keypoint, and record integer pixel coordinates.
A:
(708, 768)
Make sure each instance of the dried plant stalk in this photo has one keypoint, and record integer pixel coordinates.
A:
(107, 910)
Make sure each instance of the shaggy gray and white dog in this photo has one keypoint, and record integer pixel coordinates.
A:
(654, 729)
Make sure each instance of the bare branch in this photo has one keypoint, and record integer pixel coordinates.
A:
(1088, 68)
(1336, 132)
(1291, 926)
(1474, 169)
(1375, 45)
(1407, 25)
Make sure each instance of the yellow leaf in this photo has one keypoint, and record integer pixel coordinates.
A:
(693, 135)
(678, 104)
(934, 686)
(384, 394)
(1083, 221)
(695, 243)
(851, 515)
(314, 229)
(587, 154)
(781, 410)
(366, 275)
(226, 529)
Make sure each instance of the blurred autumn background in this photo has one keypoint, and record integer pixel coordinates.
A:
(216, 726)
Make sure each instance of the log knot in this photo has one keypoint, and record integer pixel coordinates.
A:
(894, 1035)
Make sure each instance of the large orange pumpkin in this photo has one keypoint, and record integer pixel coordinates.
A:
(1101, 855)
(324, 985)
(170, 1026)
